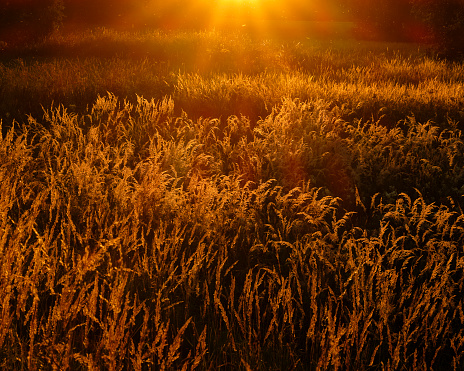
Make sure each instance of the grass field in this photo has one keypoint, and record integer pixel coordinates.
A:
(200, 200)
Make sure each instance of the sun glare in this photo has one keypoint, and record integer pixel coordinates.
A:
(239, 2)
(243, 13)
(267, 18)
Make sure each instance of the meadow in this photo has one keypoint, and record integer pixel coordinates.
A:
(201, 200)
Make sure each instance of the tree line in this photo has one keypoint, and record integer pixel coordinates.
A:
(436, 21)
(440, 22)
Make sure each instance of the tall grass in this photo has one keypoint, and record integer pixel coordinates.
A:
(136, 237)
(196, 201)
(210, 74)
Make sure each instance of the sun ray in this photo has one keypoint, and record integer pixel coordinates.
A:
(260, 18)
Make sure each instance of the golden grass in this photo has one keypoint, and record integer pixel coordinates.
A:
(133, 238)
(211, 74)
(305, 216)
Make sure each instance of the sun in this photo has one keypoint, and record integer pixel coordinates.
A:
(283, 18)
(178, 13)
(240, 2)
(235, 6)
(240, 10)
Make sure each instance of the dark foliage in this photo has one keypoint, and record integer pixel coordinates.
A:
(445, 19)
(23, 20)
(439, 23)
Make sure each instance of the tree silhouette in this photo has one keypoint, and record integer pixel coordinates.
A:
(445, 18)
(24, 20)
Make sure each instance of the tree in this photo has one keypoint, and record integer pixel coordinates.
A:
(23, 20)
(445, 19)
(384, 19)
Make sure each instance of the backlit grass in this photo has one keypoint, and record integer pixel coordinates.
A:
(303, 214)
